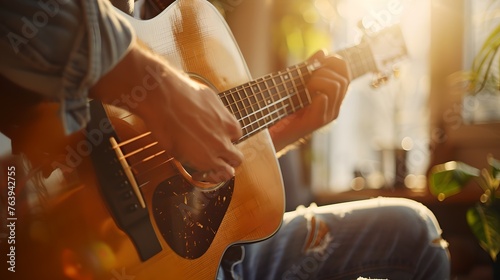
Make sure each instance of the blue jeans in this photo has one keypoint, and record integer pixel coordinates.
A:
(387, 238)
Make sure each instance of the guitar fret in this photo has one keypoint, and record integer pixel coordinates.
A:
(285, 100)
(259, 98)
(295, 95)
(232, 105)
(274, 97)
(277, 96)
(254, 108)
(262, 102)
(225, 101)
(274, 89)
(360, 59)
(250, 116)
(301, 75)
(269, 103)
(265, 91)
(291, 92)
(243, 107)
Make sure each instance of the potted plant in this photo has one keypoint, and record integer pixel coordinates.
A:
(484, 217)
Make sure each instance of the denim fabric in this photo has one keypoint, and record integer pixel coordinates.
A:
(383, 238)
(60, 48)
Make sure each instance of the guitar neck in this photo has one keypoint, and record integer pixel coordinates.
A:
(360, 59)
(262, 102)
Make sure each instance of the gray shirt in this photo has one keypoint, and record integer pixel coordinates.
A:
(60, 48)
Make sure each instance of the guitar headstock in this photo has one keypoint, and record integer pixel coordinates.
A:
(377, 53)
(388, 48)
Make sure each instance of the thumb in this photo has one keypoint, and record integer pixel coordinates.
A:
(320, 54)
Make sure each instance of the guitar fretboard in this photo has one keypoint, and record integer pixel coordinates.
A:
(262, 102)
(360, 59)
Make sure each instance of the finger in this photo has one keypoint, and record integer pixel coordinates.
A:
(318, 55)
(200, 176)
(333, 90)
(235, 131)
(233, 156)
(223, 172)
(318, 110)
(327, 78)
(337, 64)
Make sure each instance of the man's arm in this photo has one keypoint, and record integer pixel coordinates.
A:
(86, 46)
(186, 117)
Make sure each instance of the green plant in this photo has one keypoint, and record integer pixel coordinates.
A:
(483, 73)
(484, 218)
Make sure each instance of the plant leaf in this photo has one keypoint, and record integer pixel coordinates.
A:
(484, 221)
(483, 61)
(449, 178)
(495, 166)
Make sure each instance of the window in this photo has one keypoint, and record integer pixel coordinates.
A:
(360, 149)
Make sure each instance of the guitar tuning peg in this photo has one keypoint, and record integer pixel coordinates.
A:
(379, 79)
(396, 71)
(361, 26)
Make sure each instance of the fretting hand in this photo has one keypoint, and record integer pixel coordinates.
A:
(327, 86)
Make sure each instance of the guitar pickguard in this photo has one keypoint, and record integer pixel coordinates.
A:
(187, 216)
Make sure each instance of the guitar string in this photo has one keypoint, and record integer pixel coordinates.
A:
(271, 77)
(144, 148)
(363, 64)
(278, 94)
(278, 104)
(139, 176)
(242, 89)
(134, 139)
(264, 117)
(139, 150)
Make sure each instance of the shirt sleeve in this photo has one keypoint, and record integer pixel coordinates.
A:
(60, 48)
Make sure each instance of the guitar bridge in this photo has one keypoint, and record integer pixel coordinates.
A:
(128, 210)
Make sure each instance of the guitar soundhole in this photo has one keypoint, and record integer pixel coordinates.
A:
(188, 217)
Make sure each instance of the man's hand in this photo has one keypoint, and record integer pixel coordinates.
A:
(187, 118)
(327, 86)
(197, 130)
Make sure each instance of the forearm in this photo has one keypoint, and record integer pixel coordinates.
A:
(288, 134)
(138, 82)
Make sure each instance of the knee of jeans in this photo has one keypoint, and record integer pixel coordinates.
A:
(418, 218)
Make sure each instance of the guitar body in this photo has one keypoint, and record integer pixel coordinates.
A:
(74, 233)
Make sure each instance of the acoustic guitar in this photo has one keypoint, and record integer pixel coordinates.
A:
(115, 206)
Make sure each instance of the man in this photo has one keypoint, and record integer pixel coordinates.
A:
(72, 50)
